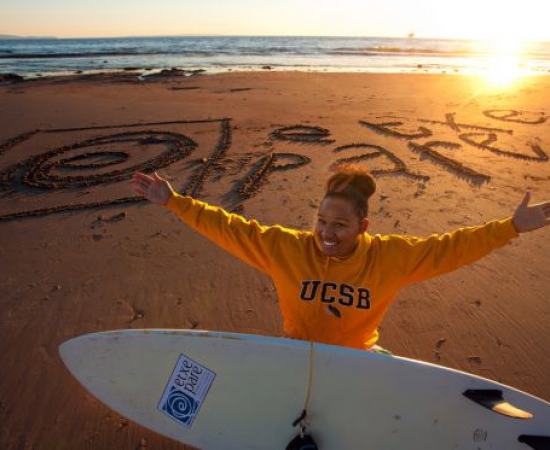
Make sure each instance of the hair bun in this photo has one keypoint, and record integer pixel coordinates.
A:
(352, 177)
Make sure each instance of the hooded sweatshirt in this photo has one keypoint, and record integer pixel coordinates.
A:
(331, 300)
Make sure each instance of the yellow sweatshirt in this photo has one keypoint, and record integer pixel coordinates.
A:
(339, 301)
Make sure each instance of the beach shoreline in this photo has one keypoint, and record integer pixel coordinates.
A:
(221, 54)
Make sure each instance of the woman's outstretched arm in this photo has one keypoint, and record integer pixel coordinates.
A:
(247, 240)
(415, 259)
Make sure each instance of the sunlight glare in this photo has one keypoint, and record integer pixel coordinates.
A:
(503, 63)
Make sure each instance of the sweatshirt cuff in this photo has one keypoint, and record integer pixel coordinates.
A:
(178, 203)
(510, 228)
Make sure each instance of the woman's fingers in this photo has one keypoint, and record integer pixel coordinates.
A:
(541, 210)
(140, 192)
(138, 176)
(141, 187)
(142, 175)
(152, 188)
(145, 181)
(142, 183)
(526, 199)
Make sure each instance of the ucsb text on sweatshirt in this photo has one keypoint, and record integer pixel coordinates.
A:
(339, 301)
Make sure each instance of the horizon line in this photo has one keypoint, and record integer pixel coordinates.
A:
(8, 36)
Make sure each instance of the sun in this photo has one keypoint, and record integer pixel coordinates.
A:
(502, 62)
(502, 70)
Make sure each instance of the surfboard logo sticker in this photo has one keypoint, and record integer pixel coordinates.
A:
(186, 390)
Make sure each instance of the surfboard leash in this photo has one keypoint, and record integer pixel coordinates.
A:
(304, 441)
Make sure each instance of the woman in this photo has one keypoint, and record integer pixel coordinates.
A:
(336, 283)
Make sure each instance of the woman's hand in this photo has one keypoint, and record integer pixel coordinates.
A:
(155, 189)
(529, 218)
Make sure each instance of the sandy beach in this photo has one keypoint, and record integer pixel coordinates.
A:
(80, 253)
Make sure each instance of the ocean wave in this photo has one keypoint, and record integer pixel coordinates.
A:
(71, 55)
(423, 51)
(381, 50)
(200, 53)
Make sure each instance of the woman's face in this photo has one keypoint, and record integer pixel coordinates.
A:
(338, 226)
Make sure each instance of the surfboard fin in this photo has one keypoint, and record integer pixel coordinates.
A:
(492, 399)
(535, 442)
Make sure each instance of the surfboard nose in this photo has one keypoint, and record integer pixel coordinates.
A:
(71, 353)
(75, 351)
(67, 350)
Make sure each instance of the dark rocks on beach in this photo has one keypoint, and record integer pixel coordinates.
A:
(266, 67)
(10, 78)
(175, 72)
(128, 69)
(169, 73)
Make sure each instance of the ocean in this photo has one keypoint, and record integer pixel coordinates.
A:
(215, 54)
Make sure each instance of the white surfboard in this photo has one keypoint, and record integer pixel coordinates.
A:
(228, 391)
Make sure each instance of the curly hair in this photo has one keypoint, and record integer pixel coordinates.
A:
(353, 183)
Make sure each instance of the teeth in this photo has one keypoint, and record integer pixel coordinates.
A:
(329, 244)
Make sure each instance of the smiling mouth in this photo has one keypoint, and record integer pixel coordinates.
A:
(329, 244)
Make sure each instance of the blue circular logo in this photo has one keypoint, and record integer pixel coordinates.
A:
(181, 406)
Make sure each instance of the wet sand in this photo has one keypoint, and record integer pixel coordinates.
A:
(79, 253)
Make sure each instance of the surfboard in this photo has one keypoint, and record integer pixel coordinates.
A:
(216, 390)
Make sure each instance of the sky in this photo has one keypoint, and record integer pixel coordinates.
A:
(468, 19)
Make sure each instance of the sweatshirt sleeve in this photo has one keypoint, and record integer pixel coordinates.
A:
(418, 259)
(247, 240)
